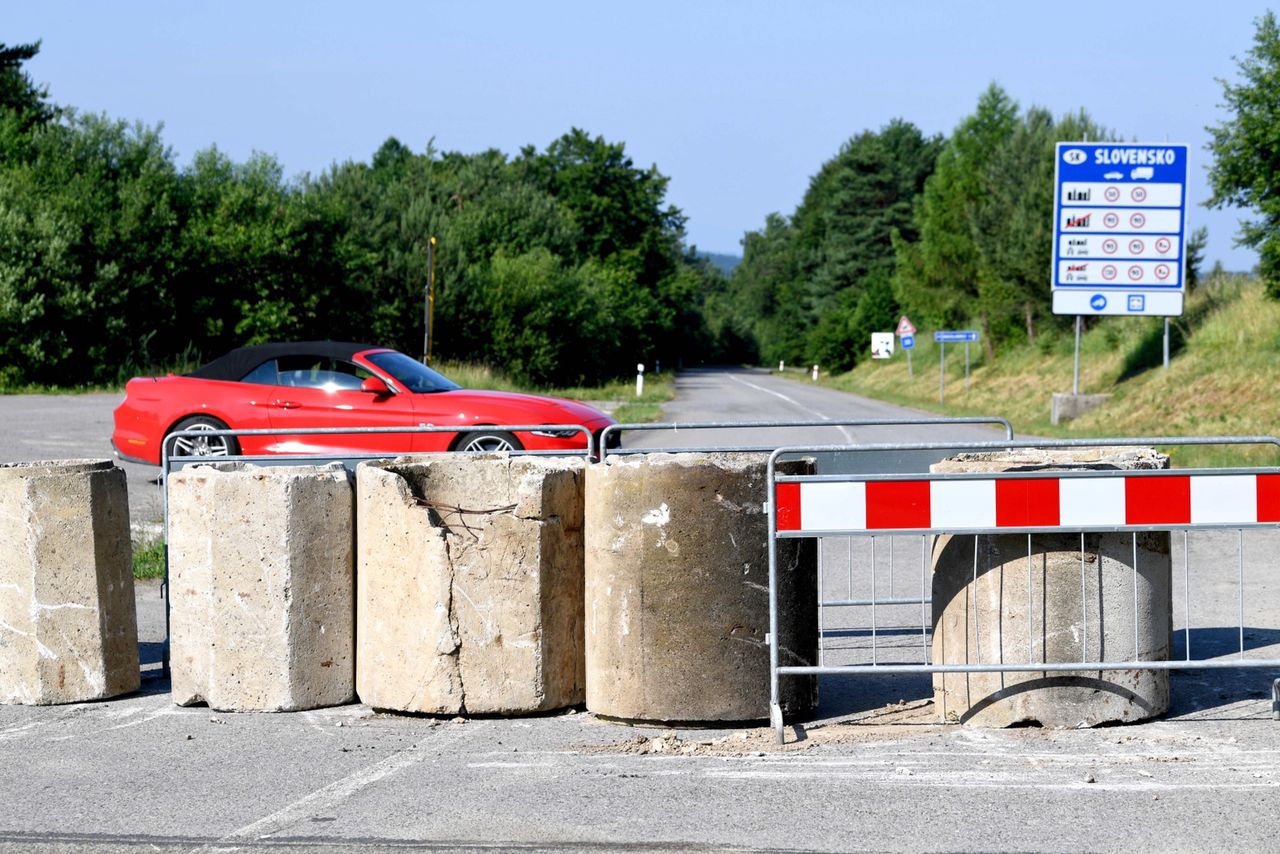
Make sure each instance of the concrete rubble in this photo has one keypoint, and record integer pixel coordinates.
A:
(469, 590)
(677, 595)
(261, 586)
(68, 625)
(1051, 606)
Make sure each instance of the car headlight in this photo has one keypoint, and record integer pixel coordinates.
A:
(557, 434)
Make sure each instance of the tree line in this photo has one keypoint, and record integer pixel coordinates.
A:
(953, 232)
(957, 231)
(562, 265)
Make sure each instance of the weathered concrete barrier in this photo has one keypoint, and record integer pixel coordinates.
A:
(985, 620)
(1068, 407)
(261, 587)
(677, 575)
(469, 584)
(68, 625)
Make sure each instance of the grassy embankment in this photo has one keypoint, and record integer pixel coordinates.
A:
(618, 398)
(1223, 378)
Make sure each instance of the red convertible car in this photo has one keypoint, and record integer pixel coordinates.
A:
(331, 384)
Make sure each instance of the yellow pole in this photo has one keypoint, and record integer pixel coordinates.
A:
(431, 300)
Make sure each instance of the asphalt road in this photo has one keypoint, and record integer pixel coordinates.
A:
(870, 773)
(757, 395)
(63, 426)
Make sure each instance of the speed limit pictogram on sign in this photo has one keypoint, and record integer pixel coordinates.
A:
(1119, 228)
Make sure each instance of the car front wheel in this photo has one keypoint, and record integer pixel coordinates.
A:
(201, 446)
(488, 440)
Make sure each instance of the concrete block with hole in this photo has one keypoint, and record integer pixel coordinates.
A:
(68, 625)
(469, 591)
(262, 588)
(677, 588)
(1013, 598)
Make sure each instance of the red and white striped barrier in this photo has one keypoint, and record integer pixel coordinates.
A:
(1020, 502)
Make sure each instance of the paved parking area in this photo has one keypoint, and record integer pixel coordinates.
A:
(874, 770)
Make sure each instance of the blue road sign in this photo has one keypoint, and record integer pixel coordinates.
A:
(955, 337)
(1119, 228)
(907, 341)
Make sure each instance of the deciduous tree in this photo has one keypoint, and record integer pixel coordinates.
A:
(1246, 147)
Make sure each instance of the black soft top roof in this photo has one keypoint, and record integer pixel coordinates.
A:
(240, 361)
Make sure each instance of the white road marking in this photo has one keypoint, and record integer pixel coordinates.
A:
(956, 780)
(325, 799)
(164, 711)
(797, 404)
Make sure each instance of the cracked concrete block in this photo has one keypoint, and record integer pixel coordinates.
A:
(677, 575)
(469, 584)
(261, 587)
(68, 625)
(1075, 607)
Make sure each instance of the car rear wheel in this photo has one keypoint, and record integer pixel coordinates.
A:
(488, 440)
(202, 446)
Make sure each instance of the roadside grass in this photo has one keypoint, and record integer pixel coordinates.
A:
(617, 397)
(185, 362)
(148, 559)
(1223, 378)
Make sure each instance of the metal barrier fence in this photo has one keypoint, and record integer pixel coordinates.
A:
(607, 434)
(605, 439)
(167, 459)
(859, 509)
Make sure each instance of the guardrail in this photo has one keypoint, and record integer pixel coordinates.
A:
(608, 433)
(170, 440)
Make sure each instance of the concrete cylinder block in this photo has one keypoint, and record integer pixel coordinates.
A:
(1009, 600)
(470, 584)
(261, 587)
(68, 625)
(677, 587)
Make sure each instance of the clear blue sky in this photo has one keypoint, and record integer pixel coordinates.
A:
(739, 103)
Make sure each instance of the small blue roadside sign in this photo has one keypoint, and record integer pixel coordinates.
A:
(1119, 228)
(907, 341)
(955, 337)
(952, 336)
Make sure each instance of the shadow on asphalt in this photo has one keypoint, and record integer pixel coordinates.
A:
(1204, 694)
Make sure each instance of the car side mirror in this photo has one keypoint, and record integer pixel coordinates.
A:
(375, 385)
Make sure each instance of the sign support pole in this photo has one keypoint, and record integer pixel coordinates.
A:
(942, 373)
(1166, 343)
(1075, 376)
(910, 372)
(429, 304)
(966, 366)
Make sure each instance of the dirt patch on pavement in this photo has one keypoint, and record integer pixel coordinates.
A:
(891, 722)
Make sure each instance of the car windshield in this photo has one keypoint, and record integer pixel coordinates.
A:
(412, 374)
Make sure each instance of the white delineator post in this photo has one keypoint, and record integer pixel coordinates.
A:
(815, 373)
(640, 379)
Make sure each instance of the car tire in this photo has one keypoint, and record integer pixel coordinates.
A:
(202, 446)
(488, 441)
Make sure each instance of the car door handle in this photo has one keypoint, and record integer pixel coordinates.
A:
(287, 404)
